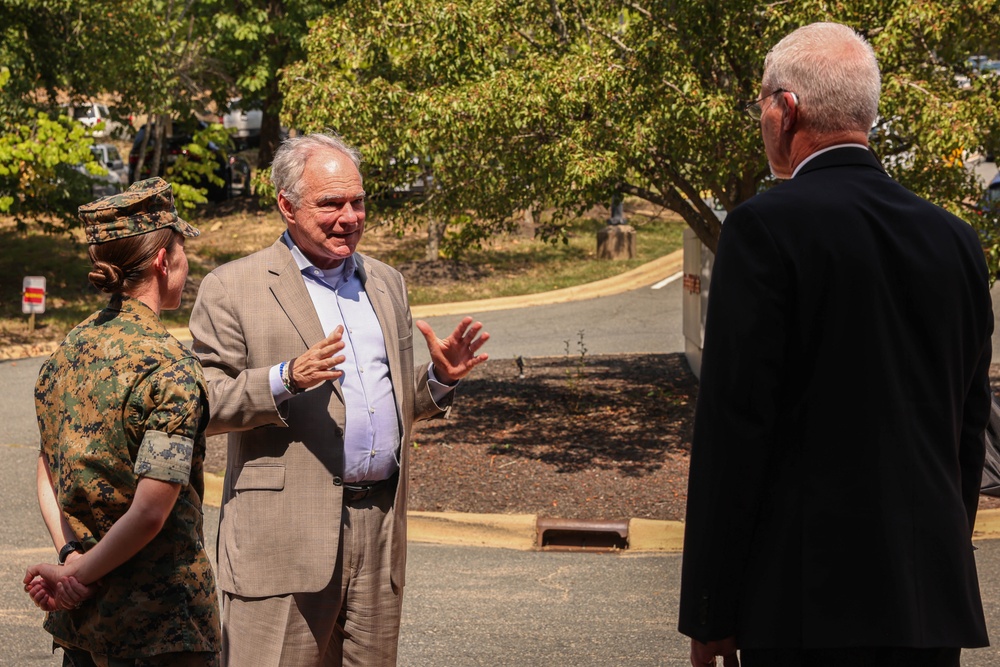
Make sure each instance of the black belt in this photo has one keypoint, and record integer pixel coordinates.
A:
(355, 492)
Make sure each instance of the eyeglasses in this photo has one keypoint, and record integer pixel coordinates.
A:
(754, 110)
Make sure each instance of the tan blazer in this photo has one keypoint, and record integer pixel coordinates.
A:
(279, 527)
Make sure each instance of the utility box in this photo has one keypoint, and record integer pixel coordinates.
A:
(698, 261)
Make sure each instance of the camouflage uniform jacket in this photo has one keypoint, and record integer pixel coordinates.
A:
(121, 399)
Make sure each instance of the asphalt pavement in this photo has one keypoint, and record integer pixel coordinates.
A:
(463, 606)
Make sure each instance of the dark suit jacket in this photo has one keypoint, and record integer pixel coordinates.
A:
(838, 440)
(279, 530)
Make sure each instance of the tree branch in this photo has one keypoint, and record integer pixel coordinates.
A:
(560, 23)
(673, 86)
(528, 39)
(642, 10)
(693, 198)
(612, 38)
(672, 200)
(583, 22)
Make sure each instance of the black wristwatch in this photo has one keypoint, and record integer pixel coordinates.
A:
(67, 549)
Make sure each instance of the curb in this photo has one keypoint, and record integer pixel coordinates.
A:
(987, 525)
(520, 531)
(641, 276)
(511, 531)
(508, 531)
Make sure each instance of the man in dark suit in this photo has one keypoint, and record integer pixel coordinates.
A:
(308, 351)
(838, 442)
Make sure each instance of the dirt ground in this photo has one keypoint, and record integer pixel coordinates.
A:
(603, 437)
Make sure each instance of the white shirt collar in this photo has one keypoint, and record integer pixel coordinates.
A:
(824, 150)
(345, 270)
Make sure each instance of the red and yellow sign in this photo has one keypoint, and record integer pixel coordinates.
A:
(33, 295)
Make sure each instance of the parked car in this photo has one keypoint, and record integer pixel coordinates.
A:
(107, 156)
(232, 169)
(243, 119)
(991, 67)
(93, 113)
(116, 179)
(991, 196)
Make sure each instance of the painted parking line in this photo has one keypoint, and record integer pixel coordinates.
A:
(667, 281)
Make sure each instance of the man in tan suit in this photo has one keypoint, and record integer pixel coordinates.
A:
(308, 352)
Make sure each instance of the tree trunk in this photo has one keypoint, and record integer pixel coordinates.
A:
(527, 227)
(270, 126)
(435, 232)
(136, 174)
(161, 138)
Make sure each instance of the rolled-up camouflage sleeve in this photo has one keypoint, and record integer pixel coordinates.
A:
(175, 398)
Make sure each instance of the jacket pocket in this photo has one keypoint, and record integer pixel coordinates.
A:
(261, 477)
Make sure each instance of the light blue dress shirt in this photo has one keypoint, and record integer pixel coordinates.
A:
(371, 434)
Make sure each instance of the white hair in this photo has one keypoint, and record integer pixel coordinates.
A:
(291, 157)
(833, 72)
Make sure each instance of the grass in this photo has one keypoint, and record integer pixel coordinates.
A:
(509, 265)
(527, 266)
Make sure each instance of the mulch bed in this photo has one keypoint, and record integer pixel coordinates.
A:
(602, 437)
(576, 437)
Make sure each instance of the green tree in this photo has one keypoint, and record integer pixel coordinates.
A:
(153, 56)
(386, 76)
(256, 40)
(561, 103)
(39, 178)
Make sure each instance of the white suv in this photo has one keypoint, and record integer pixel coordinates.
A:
(92, 113)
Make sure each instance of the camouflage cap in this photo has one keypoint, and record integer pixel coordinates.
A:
(145, 207)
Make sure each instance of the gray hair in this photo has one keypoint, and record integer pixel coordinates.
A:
(833, 71)
(291, 157)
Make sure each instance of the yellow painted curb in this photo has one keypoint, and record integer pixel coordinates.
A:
(987, 525)
(28, 351)
(653, 535)
(511, 531)
(647, 274)
(641, 276)
(519, 531)
(213, 490)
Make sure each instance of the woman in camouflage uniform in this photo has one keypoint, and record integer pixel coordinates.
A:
(122, 410)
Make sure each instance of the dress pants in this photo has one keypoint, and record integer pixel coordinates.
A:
(852, 657)
(353, 622)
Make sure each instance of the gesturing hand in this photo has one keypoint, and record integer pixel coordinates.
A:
(455, 356)
(317, 364)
